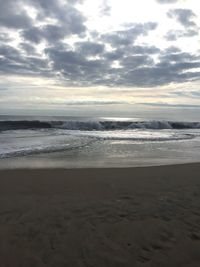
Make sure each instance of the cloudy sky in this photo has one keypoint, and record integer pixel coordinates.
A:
(96, 57)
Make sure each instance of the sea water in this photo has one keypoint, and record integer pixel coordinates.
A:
(77, 142)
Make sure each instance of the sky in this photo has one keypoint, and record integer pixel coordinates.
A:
(100, 57)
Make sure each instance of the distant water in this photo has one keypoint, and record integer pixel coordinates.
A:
(73, 142)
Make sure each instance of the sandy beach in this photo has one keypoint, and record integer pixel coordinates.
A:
(148, 216)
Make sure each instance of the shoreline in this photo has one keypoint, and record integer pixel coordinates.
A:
(112, 217)
(98, 168)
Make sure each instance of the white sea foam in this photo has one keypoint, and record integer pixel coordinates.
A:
(27, 142)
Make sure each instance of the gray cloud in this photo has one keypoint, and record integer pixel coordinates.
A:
(73, 2)
(87, 102)
(68, 16)
(172, 49)
(12, 61)
(178, 57)
(167, 1)
(139, 49)
(120, 53)
(3, 89)
(12, 15)
(33, 34)
(171, 105)
(190, 94)
(114, 55)
(50, 33)
(76, 68)
(183, 16)
(28, 48)
(135, 69)
(88, 62)
(174, 35)
(4, 38)
(71, 21)
(128, 36)
(89, 48)
(132, 62)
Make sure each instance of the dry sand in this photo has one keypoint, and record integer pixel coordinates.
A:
(100, 217)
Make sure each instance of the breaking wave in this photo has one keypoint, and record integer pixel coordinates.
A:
(97, 125)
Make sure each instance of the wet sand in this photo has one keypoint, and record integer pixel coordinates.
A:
(148, 216)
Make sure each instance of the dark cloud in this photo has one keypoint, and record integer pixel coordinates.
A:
(114, 55)
(89, 48)
(27, 48)
(174, 67)
(156, 76)
(134, 69)
(46, 8)
(172, 49)
(195, 94)
(74, 65)
(50, 33)
(170, 105)
(54, 32)
(12, 15)
(16, 21)
(178, 57)
(142, 49)
(3, 89)
(118, 54)
(183, 16)
(8, 51)
(68, 16)
(88, 61)
(71, 21)
(133, 62)
(33, 34)
(190, 94)
(87, 102)
(12, 61)
(4, 38)
(174, 35)
(128, 36)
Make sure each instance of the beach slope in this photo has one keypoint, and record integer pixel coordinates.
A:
(100, 217)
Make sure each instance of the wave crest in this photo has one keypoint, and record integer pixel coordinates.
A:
(97, 125)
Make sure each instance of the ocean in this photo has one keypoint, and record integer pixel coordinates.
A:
(84, 142)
